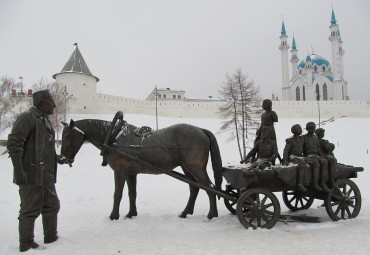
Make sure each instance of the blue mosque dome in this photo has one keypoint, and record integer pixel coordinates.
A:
(316, 60)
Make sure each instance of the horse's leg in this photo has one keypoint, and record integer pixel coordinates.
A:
(119, 181)
(189, 209)
(200, 173)
(212, 205)
(131, 184)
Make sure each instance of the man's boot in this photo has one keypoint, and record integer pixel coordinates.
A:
(50, 228)
(26, 236)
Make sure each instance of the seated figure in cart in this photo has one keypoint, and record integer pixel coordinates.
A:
(266, 150)
(312, 151)
(293, 152)
(326, 149)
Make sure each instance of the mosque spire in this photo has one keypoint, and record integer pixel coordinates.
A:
(336, 46)
(283, 32)
(333, 20)
(294, 46)
(284, 47)
(294, 60)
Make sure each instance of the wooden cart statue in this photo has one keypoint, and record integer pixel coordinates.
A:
(257, 206)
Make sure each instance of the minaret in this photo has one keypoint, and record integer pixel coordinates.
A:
(334, 38)
(308, 68)
(284, 47)
(341, 53)
(294, 60)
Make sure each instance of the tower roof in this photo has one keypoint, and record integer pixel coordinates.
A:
(283, 32)
(76, 64)
(294, 46)
(333, 20)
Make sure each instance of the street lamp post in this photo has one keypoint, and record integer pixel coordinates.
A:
(318, 105)
(21, 78)
(156, 107)
(64, 93)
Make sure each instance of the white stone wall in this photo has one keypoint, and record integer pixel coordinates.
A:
(208, 109)
(108, 104)
(328, 109)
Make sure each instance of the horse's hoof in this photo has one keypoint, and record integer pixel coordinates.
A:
(182, 215)
(113, 217)
(130, 215)
(211, 216)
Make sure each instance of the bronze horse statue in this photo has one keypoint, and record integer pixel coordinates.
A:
(130, 152)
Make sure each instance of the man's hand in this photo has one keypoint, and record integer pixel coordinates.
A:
(60, 159)
(20, 176)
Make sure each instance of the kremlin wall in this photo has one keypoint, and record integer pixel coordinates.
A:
(191, 108)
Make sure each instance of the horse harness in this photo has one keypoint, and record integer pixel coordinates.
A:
(121, 128)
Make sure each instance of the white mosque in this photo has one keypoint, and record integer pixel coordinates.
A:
(314, 78)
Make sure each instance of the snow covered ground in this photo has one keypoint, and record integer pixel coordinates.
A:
(86, 195)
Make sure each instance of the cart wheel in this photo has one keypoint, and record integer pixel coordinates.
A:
(231, 205)
(343, 204)
(295, 200)
(258, 208)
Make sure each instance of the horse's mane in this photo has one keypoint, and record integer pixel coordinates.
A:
(94, 129)
(97, 130)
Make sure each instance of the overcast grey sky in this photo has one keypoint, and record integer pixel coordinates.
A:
(131, 46)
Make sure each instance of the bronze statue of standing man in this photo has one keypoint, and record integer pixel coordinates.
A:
(31, 146)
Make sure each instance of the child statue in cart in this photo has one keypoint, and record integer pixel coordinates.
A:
(326, 150)
(265, 149)
(293, 152)
(312, 151)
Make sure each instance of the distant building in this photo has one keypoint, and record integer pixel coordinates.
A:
(314, 78)
(166, 94)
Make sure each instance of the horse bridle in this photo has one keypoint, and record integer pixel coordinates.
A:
(68, 160)
(112, 132)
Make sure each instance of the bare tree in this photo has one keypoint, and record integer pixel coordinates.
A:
(8, 100)
(243, 102)
(61, 100)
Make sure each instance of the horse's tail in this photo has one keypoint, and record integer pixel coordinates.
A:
(215, 158)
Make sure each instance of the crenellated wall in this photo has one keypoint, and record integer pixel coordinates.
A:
(106, 104)
(208, 109)
(188, 108)
(328, 109)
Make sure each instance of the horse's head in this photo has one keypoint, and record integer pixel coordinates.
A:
(72, 140)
